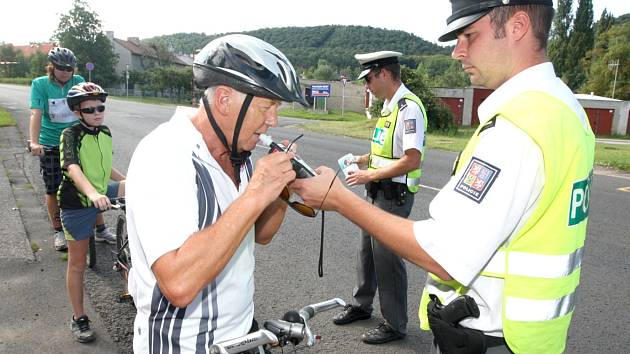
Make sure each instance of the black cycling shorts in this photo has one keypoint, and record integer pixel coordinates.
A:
(50, 169)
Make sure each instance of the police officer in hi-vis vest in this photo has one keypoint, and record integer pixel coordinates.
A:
(504, 242)
(391, 175)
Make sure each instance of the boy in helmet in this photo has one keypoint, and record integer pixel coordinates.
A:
(50, 115)
(193, 274)
(86, 162)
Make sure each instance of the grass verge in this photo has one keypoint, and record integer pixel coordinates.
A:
(153, 100)
(608, 155)
(6, 119)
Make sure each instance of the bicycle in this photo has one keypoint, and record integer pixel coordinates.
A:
(122, 261)
(292, 328)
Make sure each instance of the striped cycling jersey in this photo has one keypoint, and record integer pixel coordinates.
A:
(199, 191)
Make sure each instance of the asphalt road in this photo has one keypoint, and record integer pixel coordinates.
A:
(286, 270)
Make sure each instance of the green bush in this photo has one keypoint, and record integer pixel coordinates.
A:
(440, 117)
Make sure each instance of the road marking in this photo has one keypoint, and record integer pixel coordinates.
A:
(432, 188)
(624, 189)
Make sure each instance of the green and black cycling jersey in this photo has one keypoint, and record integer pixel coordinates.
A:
(92, 151)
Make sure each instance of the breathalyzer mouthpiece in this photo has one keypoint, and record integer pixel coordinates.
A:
(265, 140)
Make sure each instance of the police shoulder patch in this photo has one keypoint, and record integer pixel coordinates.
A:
(477, 179)
(410, 126)
(402, 104)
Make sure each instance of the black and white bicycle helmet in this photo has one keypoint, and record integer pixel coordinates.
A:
(83, 92)
(62, 57)
(248, 65)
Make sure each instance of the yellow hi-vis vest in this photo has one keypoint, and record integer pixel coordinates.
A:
(540, 265)
(382, 147)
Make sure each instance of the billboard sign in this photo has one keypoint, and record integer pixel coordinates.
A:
(320, 90)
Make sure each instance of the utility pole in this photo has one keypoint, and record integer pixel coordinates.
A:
(127, 79)
(615, 64)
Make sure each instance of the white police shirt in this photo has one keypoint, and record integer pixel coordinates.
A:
(174, 188)
(409, 135)
(463, 235)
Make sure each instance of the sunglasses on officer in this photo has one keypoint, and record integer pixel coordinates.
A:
(301, 208)
(374, 73)
(64, 68)
(91, 110)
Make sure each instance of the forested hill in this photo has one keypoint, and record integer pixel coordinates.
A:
(305, 46)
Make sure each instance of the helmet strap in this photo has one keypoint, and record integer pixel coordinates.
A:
(237, 159)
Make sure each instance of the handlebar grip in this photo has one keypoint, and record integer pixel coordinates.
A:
(310, 311)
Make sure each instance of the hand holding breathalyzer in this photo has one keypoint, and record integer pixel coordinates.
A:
(302, 170)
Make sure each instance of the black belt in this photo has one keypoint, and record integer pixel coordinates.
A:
(492, 341)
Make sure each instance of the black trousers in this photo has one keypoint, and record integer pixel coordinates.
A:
(380, 269)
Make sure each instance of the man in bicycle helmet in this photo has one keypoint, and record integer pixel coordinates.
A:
(86, 163)
(195, 205)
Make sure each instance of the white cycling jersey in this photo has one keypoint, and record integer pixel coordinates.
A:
(174, 188)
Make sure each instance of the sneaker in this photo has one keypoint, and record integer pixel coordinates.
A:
(81, 329)
(59, 240)
(105, 236)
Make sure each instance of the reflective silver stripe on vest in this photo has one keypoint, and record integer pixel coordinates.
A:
(380, 162)
(413, 181)
(536, 265)
(528, 310)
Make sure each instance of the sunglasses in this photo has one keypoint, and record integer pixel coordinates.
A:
(374, 73)
(64, 68)
(297, 206)
(91, 110)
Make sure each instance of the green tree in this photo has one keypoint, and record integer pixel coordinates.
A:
(324, 71)
(580, 41)
(559, 38)
(8, 60)
(606, 20)
(37, 64)
(612, 46)
(439, 116)
(81, 31)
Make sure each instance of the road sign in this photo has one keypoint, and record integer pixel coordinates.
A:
(89, 66)
(320, 90)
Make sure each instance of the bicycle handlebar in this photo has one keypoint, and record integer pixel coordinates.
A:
(44, 147)
(246, 342)
(278, 332)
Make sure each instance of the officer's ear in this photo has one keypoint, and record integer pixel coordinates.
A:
(519, 25)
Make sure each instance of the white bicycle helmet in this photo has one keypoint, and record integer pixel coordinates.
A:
(85, 91)
(249, 65)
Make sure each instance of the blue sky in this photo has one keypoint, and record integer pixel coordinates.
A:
(24, 21)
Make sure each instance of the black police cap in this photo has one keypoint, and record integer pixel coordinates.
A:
(466, 12)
